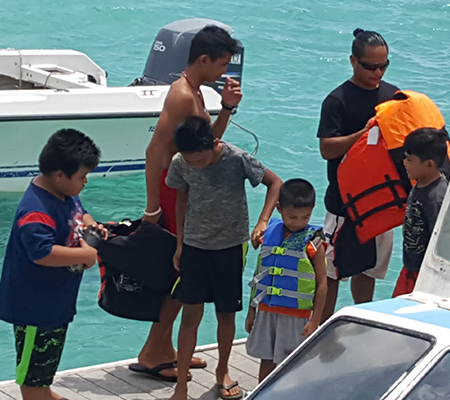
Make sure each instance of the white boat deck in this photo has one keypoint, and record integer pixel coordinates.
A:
(114, 381)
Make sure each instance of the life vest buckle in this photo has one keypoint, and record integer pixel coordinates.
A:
(279, 251)
(276, 271)
(273, 291)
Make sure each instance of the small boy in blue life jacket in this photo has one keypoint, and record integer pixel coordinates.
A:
(212, 234)
(38, 290)
(290, 283)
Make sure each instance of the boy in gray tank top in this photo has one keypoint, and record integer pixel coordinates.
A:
(213, 230)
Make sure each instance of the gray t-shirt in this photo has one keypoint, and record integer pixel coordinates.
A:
(217, 214)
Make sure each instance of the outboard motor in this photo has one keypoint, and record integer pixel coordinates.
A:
(170, 50)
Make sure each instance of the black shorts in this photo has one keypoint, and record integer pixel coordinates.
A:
(212, 276)
(38, 354)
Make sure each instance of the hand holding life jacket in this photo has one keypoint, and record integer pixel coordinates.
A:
(372, 179)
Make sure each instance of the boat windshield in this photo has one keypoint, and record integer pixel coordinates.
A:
(348, 360)
(435, 385)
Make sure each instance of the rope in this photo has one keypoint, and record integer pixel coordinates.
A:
(46, 79)
(255, 137)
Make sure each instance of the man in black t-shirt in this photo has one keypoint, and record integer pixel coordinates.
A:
(345, 117)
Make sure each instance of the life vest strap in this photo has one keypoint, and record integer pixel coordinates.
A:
(390, 184)
(274, 291)
(378, 209)
(267, 251)
(276, 271)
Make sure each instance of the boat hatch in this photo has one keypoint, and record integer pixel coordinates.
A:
(350, 359)
(436, 383)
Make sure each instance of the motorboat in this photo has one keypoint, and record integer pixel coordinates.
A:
(391, 349)
(42, 91)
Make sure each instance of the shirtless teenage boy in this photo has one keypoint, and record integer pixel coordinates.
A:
(210, 52)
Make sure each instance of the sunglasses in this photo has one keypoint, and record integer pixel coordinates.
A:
(374, 67)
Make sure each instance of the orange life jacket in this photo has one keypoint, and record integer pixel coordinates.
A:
(372, 181)
(398, 118)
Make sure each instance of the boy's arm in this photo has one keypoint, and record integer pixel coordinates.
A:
(318, 262)
(273, 183)
(62, 256)
(250, 320)
(37, 233)
(220, 124)
(251, 314)
(231, 95)
(182, 200)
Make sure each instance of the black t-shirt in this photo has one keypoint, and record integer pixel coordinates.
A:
(422, 209)
(346, 110)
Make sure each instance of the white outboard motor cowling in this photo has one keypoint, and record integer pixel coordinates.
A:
(170, 50)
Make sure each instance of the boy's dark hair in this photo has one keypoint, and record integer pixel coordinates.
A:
(427, 144)
(67, 150)
(366, 38)
(297, 193)
(213, 41)
(193, 135)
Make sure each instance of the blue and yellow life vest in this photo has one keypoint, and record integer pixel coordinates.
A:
(284, 276)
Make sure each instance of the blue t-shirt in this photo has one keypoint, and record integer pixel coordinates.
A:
(32, 294)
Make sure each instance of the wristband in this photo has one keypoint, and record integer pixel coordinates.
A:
(227, 106)
(152, 214)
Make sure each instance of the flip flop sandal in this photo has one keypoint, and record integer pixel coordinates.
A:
(228, 388)
(155, 372)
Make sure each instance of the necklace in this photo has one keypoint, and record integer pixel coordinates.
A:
(198, 92)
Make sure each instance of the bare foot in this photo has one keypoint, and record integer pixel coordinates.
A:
(179, 394)
(197, 362)
(44, 393)
(225, 380)
(170, 372)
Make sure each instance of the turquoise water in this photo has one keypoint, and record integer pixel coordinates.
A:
(296, 52)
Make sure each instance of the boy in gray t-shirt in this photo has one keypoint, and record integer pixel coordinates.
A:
(212, 226)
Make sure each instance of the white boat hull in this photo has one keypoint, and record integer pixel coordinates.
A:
(43, 91)
(122, 141)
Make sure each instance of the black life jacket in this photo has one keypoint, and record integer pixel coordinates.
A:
(136, 269)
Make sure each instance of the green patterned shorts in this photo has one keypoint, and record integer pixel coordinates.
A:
(38, 354)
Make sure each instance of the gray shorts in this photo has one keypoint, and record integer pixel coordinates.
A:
(275, 336)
